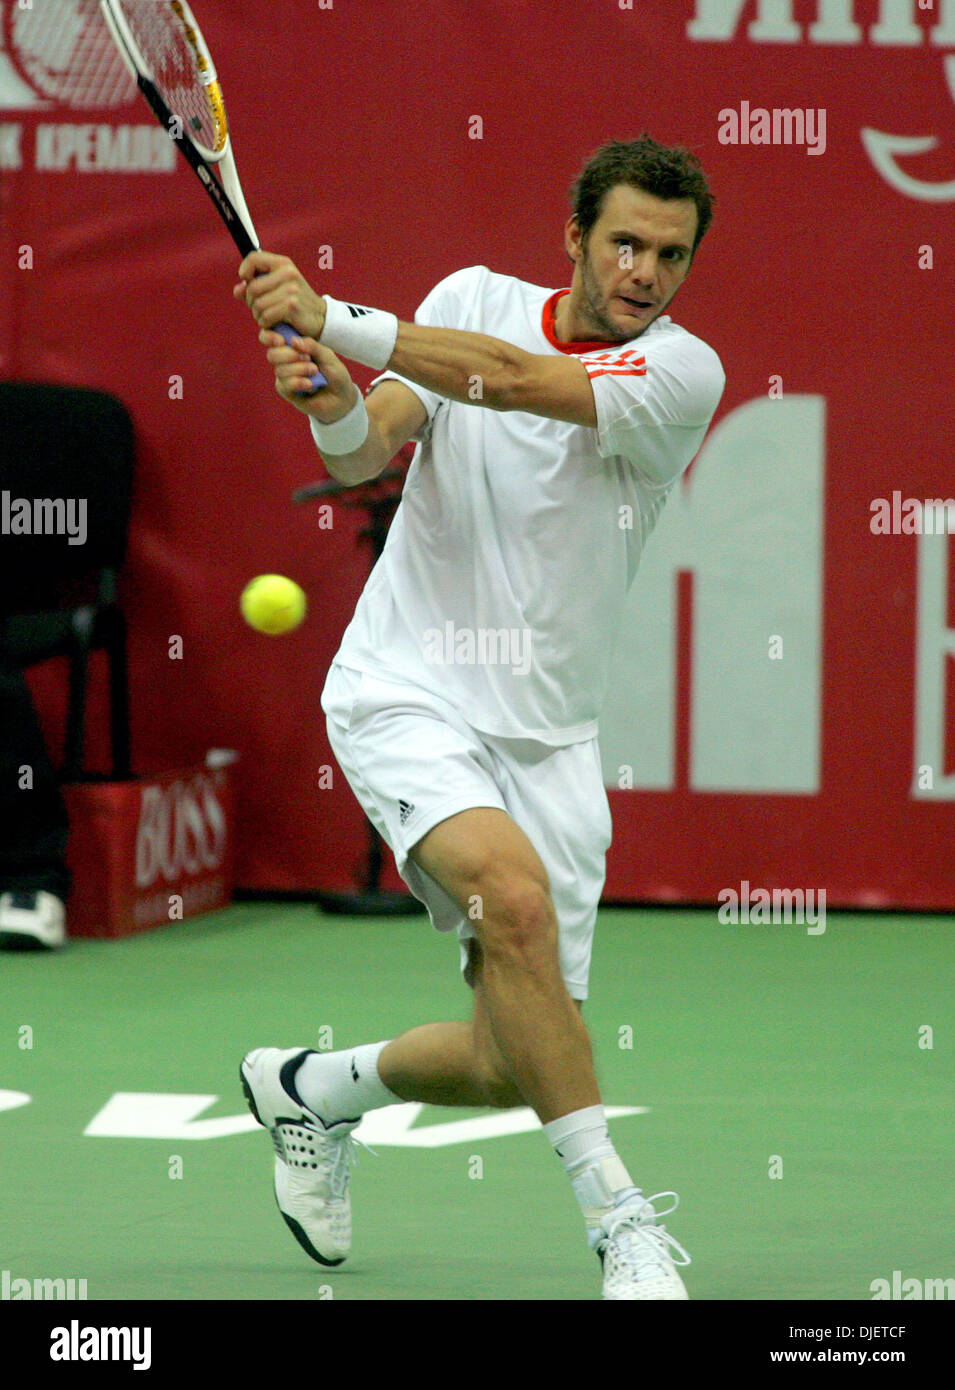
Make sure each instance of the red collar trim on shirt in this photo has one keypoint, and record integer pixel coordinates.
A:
(549, 325)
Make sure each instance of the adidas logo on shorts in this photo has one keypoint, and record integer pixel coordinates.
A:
(405, 809)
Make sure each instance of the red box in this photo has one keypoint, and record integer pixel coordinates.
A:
(150, 851)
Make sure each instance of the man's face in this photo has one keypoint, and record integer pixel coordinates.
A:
(634, 260)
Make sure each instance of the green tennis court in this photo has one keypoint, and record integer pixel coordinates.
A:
(787, 1087)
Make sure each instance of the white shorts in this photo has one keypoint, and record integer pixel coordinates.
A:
(412, 761)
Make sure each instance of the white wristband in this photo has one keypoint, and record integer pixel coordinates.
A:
(345, 435)
(362, 335)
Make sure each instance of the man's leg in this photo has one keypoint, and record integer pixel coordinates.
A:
(33, 847)
(34, 879)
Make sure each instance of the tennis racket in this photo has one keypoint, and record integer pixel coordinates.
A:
(164, 50)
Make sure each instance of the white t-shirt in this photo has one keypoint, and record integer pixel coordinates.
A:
(502, 582)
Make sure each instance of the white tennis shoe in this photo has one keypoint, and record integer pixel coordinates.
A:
(32, 921)
(635, 1252)
(312, 1159)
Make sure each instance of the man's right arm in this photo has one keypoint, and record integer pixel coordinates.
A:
(395, 412)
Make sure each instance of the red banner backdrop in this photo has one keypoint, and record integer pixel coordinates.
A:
(783, 708)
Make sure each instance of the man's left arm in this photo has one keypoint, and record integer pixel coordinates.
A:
(479, 370)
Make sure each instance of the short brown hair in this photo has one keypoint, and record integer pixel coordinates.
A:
(665, 171)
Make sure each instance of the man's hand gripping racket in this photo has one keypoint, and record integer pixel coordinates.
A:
(276, 291)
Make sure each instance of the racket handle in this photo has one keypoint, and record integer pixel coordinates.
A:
(288, 333)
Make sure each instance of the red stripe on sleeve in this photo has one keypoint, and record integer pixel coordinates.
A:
(595, 371)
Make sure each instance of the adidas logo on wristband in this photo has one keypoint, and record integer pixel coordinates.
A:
(358, 333)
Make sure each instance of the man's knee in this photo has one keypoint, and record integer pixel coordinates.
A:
(490, 868)
(514, 919)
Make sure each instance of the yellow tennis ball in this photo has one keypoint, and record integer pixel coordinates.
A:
(273, 604)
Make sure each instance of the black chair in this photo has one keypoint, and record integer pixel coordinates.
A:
(60, 444)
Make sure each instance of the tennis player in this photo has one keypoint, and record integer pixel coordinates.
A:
(463, 702)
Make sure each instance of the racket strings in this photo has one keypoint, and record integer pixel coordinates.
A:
(178, 69)
(64, 50)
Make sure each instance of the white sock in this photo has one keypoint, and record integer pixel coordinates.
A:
(343, 1085)
(582, 1142)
